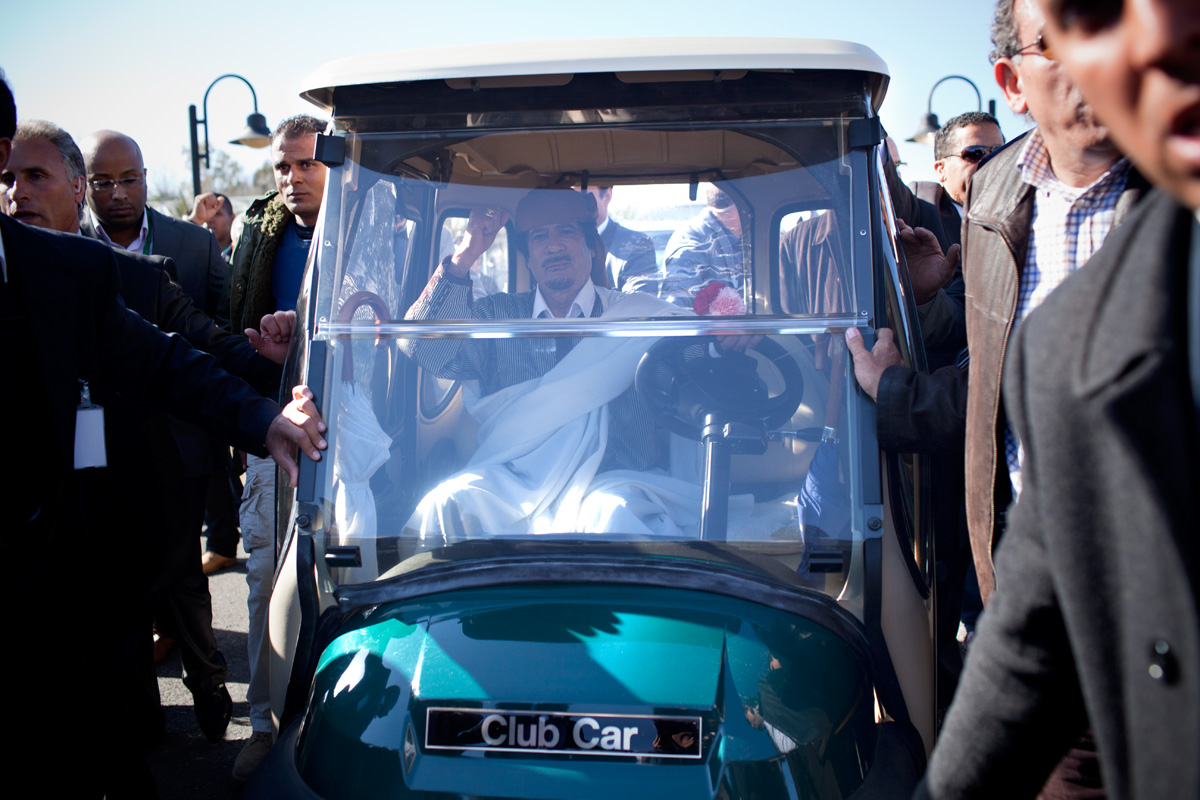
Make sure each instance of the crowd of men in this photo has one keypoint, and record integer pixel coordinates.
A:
(1057, 278)
(163, 411)
(1075, 405)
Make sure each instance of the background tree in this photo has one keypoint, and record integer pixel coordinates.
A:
(227, 177)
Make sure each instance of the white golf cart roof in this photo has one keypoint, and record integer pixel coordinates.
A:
(555, 62)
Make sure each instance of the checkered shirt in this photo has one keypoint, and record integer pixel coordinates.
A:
(1069, 224)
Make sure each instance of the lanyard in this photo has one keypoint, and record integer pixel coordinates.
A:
(149, 233)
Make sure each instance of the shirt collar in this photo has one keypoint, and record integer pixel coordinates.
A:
(1035, 168)
(135, 245)
(584, 302)
(600, 228)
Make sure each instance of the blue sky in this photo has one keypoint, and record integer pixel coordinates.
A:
(136, 66)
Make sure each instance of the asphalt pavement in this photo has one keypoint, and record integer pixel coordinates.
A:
(185, 765)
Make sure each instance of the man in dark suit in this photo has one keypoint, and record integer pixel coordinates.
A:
(631, 263)
(43, 186)
(63, 323)
(1095, 615)
(118, 215)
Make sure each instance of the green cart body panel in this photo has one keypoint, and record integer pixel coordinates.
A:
(778, 705)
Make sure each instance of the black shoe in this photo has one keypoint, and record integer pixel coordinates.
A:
(213, 710)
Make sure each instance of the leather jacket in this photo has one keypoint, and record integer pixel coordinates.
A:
(999, 213)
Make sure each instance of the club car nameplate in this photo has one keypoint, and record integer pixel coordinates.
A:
(588, 734)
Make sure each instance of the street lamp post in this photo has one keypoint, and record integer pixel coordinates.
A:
(929, 122)
(255, 134)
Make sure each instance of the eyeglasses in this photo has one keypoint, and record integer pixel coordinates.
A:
(1044, 50)
(107, 184)
(973, 154)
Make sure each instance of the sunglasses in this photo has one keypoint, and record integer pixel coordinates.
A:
(974, 153)
(1042, 49)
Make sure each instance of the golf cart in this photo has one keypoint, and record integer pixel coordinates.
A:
(651, 549)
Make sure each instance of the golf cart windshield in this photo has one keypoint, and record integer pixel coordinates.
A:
(696, 391)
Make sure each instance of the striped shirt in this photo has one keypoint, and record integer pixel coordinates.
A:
(1069, 224)
(637, 443)
(700, 252)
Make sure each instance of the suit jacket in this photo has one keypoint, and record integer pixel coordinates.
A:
(82, 330)
(197, 263)
(147, 288)
(924, 204)
(943, 319)
(949, 218)
(632, 266)
(194, 262)
(1095, 613)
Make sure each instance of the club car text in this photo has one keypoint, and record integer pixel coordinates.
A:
(593, 734)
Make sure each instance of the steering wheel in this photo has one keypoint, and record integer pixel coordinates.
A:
(686, 379)
(353, 303)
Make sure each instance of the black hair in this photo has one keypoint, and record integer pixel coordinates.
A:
(943, 140)
(8, 110)
(298, 125)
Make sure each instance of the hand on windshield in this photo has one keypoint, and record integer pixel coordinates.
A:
(482, 227)
(928, 268)
(274, 336)
(869, 365)
(299, 425)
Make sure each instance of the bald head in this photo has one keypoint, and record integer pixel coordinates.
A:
(102, 142)
(116, 184)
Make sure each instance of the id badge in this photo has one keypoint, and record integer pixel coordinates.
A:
(89, 432)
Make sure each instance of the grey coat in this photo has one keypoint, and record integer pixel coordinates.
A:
(1095, 614)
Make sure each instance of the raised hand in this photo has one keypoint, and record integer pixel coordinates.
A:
(274, 337)
(928, 268)
(482, 227)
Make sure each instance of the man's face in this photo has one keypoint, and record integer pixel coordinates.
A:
(559, 258)
(220, 224)
(300, 179)
(1138, 64)
(954, 171)
(120, 206)
(36, 189)
(1036, 85)
(603, 198)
